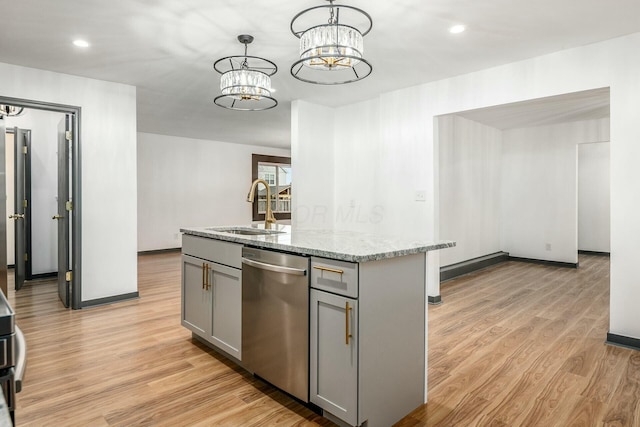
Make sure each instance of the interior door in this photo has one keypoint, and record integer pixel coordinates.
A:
(65, 127)
(28, 217)
(20, 205)
(3, 210)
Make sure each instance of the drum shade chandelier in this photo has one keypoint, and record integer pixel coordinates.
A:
(10, 111)
(331, 50)
(245, 81)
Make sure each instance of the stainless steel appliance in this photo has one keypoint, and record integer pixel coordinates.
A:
(13, 355)
(275, 319)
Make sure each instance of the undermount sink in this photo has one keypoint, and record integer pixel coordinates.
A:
(246, 231)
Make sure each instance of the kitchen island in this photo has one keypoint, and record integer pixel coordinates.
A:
(364, 317)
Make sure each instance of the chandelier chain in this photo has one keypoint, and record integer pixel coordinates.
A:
(245, 63)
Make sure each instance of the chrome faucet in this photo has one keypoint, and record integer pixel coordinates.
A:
(268, 217)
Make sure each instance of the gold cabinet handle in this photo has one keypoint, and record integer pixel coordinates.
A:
(16, 216)
(57, 217)
(333, 270)
(207, 281)
(347, 309)
(203, 276)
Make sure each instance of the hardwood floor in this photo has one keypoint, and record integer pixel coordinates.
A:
(516, 344)
(523, 345)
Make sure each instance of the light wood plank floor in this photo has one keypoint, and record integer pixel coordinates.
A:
(516, 344)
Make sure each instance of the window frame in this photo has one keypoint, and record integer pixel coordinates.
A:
(256, 159)
(272, 178)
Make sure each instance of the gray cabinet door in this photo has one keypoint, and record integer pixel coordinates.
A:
(196, 297)
(226, 316)
(334, 355)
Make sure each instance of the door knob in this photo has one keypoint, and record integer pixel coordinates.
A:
(16, 216)
(57, 217)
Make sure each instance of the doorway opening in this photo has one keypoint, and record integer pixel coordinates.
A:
(508, 180)
(46, 217)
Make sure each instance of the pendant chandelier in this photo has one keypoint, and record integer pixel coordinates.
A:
(331, 50)
(10, 111)
(245, 81)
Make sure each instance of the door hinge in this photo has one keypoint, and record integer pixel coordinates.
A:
(68, 276)
(26, 257)
(68, 135)
(25, 149)
(69, 205)
(25, 203)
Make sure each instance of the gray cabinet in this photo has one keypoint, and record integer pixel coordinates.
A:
(367, 327)
(336, 277)
(334, 354)
(212, 293)
(375, 376)
(225, 285)
(196, 299)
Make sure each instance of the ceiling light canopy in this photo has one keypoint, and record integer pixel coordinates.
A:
(457, 29)
(331, 50)
(10, 111)
(245, 81)
(81, 43)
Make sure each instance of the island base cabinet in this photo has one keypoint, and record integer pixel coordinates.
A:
(226, 309)
(196, 299)
(334, 355)
(212, 303)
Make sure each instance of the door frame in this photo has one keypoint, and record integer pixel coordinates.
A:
(76, 184)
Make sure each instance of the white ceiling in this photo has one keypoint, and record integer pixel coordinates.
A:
(166, 48)
(570, 107)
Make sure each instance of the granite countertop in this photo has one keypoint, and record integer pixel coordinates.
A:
(339, 245)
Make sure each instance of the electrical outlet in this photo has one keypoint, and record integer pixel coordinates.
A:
(421, 196)
(547, 246)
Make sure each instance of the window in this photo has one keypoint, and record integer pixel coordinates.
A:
(263, 173)
(276, 171)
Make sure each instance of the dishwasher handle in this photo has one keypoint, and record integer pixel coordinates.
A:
(21, 358)
(275, 268)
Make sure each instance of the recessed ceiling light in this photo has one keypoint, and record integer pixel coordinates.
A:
(81, 43)
(457, 29)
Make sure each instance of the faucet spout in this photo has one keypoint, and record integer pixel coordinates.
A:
(268, 217)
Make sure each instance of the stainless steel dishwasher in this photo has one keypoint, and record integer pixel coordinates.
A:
(275, 319)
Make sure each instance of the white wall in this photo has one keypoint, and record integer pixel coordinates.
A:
(513, 191)
(353, 148)
(185, 182)
(593, 197)
(312, 166)
(539, 189)
(108, 143)
(405, 121)
(44, 187)
(470, 170)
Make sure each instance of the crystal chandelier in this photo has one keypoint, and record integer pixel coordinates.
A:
(245, 81)
(10, 111)
(332, 52)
